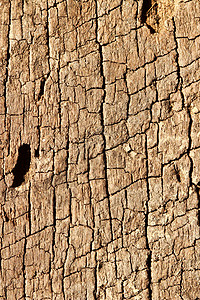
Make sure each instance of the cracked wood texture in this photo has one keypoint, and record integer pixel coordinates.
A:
(100, 149)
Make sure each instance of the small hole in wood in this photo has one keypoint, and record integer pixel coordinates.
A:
(22, 166)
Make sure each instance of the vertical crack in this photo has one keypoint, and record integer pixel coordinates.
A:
(189, 145)
(180, 87)
(37, 151)
(136, 31)
(59, 92)
(63, 286)
(181, 280)
(149, 257)
(47, 36)
(54, 209)
(42, 85)
(5, 292)
(67, 14)
(180, 80)
(70, 212)
(39, 97)
(29, 208)
(7, 75)
(127, 90)
(7, 57)
(197, 189)
(1, 258)
(54, 223)
(90, 189)
(67, 157)
(122, 288)
(102, 117)
(95, 278)
(123, 217)
(24, 268)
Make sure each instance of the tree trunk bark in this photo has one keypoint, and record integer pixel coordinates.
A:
(99, 149)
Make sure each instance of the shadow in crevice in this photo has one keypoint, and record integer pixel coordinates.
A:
(22, 166)
(149, 15)
(145, 8)
(37, 154)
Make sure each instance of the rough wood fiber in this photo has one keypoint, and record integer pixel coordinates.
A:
(100, 149)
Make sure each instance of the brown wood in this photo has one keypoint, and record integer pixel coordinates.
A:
(99, 150)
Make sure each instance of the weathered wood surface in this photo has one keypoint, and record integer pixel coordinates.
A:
(100, 150)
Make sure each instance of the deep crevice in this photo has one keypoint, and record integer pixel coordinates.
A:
(59, 89)
(42, 86)
(190, 145)
(149, 8)
(180, 80)
(0, 261)
(22, 166)
(54, 224)
(95, 279)
(177, 173)
(6, 219)
(149, 257)
(37, 152)
(145, 8)
(152, 30)
(41, 92)
(102, 118)
(7, 76)
(67, 161)
(197, 189)
(181, 280)
(24, 268)
(29, 208)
